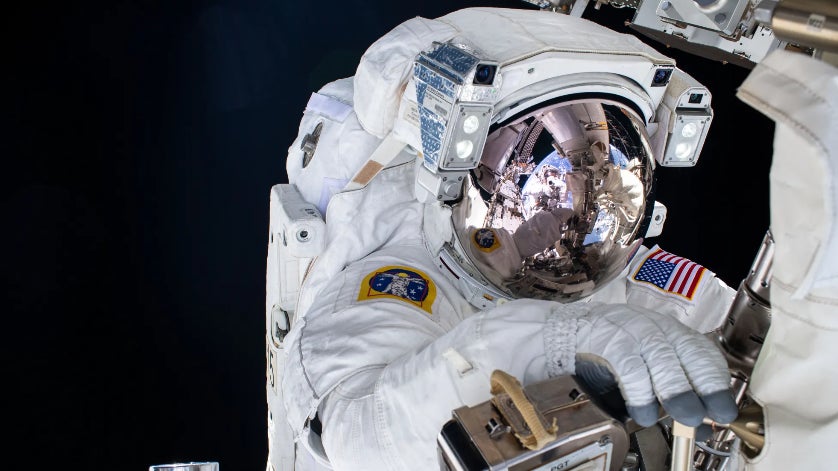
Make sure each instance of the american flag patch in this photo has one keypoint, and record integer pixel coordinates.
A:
(670, 273)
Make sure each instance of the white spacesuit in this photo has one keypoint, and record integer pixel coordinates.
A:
(795, 378)
(422, 289)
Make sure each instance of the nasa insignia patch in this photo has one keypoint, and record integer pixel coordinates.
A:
(486, 240)
(401, 283)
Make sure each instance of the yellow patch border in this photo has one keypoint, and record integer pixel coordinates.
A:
(495, 243)
(366, 293)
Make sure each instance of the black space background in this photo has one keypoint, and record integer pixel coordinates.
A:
(140, 140)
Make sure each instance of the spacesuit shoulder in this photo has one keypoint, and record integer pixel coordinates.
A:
(331, 144)
(373, 312)
(675, 285)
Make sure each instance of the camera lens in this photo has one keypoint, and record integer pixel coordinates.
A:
(485, 74)
(661, 77)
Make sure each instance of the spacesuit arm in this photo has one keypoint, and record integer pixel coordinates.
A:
(388, 417)
(700, 302)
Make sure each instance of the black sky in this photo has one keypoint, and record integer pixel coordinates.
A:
(140, 142)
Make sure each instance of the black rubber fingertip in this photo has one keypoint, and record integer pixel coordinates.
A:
(721, 407)
(686, 408)
(596, 379)
(595, 375)
(645, 416)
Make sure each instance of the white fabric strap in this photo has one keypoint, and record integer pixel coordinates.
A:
(457, 361)
(389, 148)
(329, 107)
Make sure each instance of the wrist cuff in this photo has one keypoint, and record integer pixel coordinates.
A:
(560, 339)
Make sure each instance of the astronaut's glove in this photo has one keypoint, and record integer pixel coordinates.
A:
(654, 360)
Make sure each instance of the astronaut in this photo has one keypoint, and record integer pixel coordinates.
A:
(800, 94)
(441, 263)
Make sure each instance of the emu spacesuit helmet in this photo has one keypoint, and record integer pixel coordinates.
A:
(555, 207)
(549, 189)
(536, 136)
